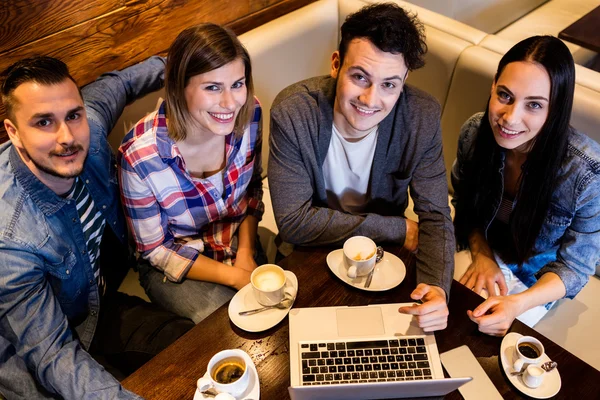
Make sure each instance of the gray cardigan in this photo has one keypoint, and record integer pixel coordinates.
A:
(408, 153)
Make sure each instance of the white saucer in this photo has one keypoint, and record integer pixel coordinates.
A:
(253, 390)
(244, 300)
(389, 272)
(551, 383)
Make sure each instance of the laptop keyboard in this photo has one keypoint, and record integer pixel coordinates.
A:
(326, 363)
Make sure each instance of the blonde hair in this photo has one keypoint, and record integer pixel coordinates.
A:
(197, 50)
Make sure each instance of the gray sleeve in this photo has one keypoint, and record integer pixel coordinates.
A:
(292, 192)
(429, 190)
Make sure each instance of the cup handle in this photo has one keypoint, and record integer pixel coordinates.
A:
(352, 272)
(518, 365)
(204, 384)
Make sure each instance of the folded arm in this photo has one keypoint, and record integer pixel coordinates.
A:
(292, 192)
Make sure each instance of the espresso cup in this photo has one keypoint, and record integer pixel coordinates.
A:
(268, 284)
(360, 253)
(227, 373)
(533, 376)
(528, 350)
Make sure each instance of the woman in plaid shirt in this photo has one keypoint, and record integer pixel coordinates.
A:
(190, 176)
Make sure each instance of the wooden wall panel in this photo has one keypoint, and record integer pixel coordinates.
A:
(95, 36)
(23, 21)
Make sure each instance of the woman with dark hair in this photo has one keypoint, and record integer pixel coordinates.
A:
(526, 190)
(190, 176)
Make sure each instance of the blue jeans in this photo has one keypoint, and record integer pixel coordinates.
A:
(192, 299)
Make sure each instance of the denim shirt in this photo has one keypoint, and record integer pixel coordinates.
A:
(46, 279)
(569, 240)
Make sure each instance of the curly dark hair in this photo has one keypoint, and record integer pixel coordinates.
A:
(390, 28)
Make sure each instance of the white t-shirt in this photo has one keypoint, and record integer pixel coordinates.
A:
(347, 169)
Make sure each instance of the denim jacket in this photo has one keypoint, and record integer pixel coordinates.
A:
(569, 240)
(46, 278)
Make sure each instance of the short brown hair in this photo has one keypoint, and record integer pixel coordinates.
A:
(39, 69)
(197, 50)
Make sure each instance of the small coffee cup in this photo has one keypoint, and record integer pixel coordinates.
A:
(268, 284)
(360, 253)
(533, 376)
(528, 350)
(227, 373)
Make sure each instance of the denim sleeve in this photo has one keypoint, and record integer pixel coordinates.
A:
(579, 250)
(106, 97)
(31, 319)
(466, 139)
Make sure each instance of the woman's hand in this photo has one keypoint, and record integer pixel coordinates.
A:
(495, 315)
(484, 272)
(245, 260)
(240, 278)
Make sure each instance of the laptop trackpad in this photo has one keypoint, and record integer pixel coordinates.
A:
(359, 321)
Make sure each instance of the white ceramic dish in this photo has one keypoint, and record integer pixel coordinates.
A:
(244, 300)
(389, 272)
(549, 387)
(251, 393)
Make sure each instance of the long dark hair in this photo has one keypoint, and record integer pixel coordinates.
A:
(540, 170)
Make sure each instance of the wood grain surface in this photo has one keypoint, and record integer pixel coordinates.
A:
(585, 31)
(173, 373)
(96, 36)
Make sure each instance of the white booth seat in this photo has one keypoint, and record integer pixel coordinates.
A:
(486, 15)
(459, 72)
(443, 23)
(468, 94)
(288, 49)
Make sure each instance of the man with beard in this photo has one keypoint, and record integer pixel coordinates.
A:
(60, 207)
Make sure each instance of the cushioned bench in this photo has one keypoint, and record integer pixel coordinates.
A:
(459, 69)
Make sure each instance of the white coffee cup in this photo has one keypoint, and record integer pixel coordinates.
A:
(530, 358)
(219, 366)
(268, 284)
(360, 253)
(533, 376)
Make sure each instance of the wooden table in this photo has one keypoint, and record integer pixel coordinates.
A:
(584, 32)
(173, 373)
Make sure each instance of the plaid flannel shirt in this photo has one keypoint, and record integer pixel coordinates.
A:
(174, 216)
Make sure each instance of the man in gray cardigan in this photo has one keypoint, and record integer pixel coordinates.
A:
(345, 148)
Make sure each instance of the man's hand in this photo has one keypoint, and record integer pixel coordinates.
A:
(495, 315)
(484, 272)
(432, 315)
(411, 241)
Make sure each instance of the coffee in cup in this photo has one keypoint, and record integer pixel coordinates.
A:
(268, 284)
(229, 370)
(227, 373)
(528, 351)
(360, 253)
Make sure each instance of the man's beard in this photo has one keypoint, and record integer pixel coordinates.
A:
(53, 172)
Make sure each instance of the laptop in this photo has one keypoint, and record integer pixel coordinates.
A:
(369, 352)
